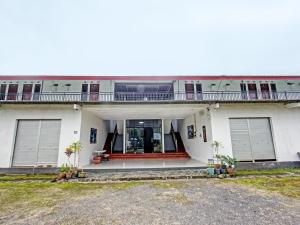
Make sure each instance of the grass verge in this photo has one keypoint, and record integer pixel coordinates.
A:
(30, 196)
(268, 172)
(287, 186)
(25, 177)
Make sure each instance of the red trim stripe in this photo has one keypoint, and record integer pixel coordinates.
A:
(154, 78)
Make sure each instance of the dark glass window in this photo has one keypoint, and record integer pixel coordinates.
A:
(2, 91)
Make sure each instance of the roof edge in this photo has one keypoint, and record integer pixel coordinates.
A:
(143, 78)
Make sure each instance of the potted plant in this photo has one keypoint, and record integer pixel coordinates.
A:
(82, 174)
(216, 146)
(230, 163)
(62, 172)
(76, 147)
(210, 169)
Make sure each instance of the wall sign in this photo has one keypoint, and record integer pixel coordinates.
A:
(93, 136)
(204, 134)
(190, 130)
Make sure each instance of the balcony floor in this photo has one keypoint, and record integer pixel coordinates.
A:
(120, 164)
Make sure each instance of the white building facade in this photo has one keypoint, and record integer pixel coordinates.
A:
(256, 118)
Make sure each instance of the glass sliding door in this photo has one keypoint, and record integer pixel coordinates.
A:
(143, 136)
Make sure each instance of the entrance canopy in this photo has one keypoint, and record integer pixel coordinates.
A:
(144, 111)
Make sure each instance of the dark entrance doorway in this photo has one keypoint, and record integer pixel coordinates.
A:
(148, 139)
(143, 136)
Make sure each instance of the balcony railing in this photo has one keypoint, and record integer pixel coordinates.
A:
(221, 96)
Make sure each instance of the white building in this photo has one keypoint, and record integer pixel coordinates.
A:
(256, 118)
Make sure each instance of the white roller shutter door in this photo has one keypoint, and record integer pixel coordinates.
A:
(251, 139)
(37, 142)
(49, 142)
(26, 143)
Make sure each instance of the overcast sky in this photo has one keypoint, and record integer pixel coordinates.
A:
(149, 37)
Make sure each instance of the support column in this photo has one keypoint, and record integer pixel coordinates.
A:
(124, 136)
(162, 136)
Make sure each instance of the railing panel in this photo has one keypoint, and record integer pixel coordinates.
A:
(152, 97)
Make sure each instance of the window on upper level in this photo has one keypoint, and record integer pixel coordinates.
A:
(252, 90)
(189, 90)
(12, 92)
(94, 92)
(243, 90)
(199, 91)
(265, 91)
(27, 92)
(144, 91)
(36, 91)
(2, 91)
(273, 91)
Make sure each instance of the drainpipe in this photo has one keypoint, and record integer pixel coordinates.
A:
(162, 136)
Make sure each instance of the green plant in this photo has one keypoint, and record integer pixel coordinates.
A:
(65, 168)
(227, 160)
(76, 147)
(216, 145)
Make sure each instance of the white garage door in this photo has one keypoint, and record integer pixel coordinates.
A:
(37, 142)
(251, 139)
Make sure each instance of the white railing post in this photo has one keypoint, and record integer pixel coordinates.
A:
(162, 136)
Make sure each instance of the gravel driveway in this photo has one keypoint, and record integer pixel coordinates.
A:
(172, 202)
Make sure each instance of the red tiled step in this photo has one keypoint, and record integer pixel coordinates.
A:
(150, 156)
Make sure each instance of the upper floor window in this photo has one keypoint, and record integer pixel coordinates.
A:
(12, 92)
(189, 90)
(27, 92)
(94, 92)
(243, 90)
(252, 90)
(265, 92)
(274, 91)
(2, 91)
(144, 91)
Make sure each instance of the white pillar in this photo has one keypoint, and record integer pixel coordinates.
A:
(124, 136)
(162, 136)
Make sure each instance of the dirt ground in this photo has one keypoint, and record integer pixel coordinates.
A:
(203, 201)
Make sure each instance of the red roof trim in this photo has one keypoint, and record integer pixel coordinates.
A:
(154, 78)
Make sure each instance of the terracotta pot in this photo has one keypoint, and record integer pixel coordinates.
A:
(61, 176)
(217, 166)
(96, 161)
(230, 171)
(97, 158)
(69, 175)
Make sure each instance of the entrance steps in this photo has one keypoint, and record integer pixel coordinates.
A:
(173, 155)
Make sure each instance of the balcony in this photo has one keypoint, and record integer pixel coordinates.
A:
(210, 96)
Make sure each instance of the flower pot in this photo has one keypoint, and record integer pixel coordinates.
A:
(230, 171)
(217, 171)
(82, 175)
(223, 171)
(211, 171)
(69, 175)
(61, 176)
(217, 166)
(96, 161)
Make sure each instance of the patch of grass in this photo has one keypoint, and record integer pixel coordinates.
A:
(23, 177)
(287, 186)
(182, 199)
(268, 172)
(169, 184)
(28, 196)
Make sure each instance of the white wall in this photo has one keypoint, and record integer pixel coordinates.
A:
(89, 120)
(285, 126)
(9, 114)
(196, 147)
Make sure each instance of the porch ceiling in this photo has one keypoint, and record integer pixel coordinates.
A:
(149, 111)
